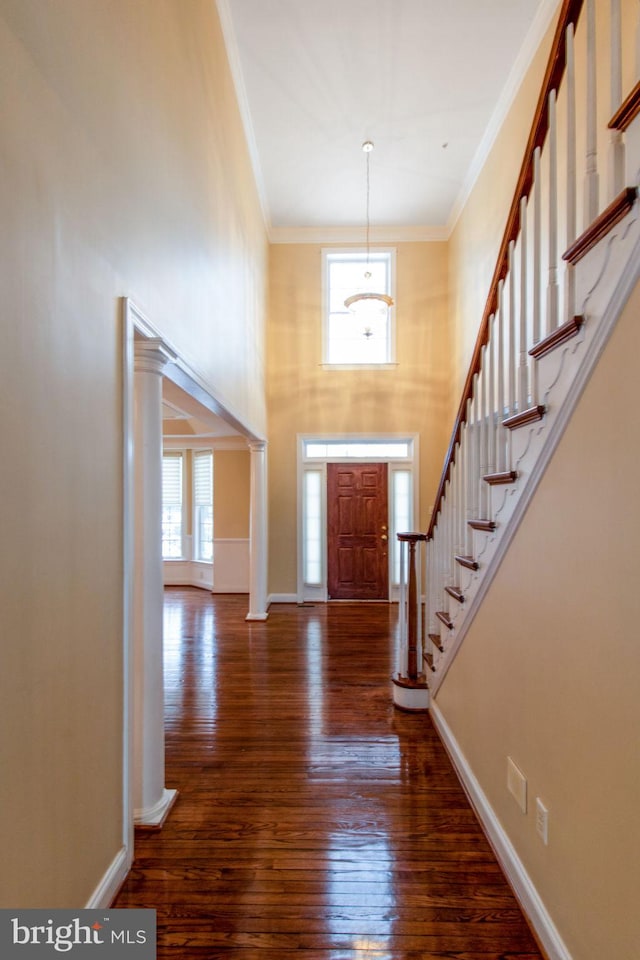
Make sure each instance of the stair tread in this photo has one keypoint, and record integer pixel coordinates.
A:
(507, 476)
(428, 659)
(456, 593)
(436, 641)
(532, 415)
(467, 562)
(563, 333)
(443, 615)
(482, 524)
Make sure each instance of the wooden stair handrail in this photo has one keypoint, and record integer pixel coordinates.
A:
(556, 64)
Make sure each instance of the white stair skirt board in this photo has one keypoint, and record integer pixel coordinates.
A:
(504, 850)
(156, 815)
(410, 698)
(104, 894)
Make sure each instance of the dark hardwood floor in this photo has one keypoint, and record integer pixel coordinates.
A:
(313, 820)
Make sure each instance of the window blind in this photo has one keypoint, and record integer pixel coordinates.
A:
(203, 479)
(172, 479)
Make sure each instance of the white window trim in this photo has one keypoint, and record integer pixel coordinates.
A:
(320, 593)
(391, 363)
(184, 539)
(195, 546)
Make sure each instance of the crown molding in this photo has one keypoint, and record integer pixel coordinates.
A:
(235, 67)
(536, 34)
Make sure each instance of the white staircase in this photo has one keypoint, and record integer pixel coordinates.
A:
(548, 316)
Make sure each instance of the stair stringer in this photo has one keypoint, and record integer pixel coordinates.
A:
(605, 278)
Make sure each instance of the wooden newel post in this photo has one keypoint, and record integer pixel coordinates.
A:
(410, 691)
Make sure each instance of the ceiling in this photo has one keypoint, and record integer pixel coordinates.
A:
(427, 80)
(187, 420)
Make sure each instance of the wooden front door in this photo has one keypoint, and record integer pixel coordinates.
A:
(357, 540)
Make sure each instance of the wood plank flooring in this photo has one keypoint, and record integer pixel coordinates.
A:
(313, 820)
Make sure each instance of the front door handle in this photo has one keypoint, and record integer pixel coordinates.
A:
(384, 537)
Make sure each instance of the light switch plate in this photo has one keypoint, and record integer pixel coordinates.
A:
(517, 784)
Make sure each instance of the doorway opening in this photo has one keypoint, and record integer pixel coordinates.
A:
(355, 493)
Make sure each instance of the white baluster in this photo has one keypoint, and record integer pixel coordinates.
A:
(445, 545)
(455, 543)
(431, 582)
(501, 458)
(462, 512)
(552, 287)
(468, 446)
(401, 657)
(536, 279)
(638, 43)
(475, 451)
(454, 519)
(491, 397)
(616, 139)
(462, 493)
(570, 282)
(512, 395)
(592, 179)
(419, 617)
(484, 434)
(447, 556)
(477, 446)
(436, 570)
(523, 367)
(537, 248)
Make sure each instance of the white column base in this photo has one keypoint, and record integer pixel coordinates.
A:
(156, 815)
(257, 616)
(410, 695)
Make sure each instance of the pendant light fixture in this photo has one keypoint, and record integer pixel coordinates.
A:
(366, 300)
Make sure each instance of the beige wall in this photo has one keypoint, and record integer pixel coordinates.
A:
(123, 171)
(475, 240)
(549, 672)
(231, 494)
(305, 397)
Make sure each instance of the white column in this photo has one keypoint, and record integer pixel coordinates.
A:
(151, 800)
(258, 533)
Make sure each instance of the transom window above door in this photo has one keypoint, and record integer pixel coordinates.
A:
(357, 449)
(364, 336)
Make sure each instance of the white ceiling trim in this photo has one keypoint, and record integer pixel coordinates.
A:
(534, 38)
(233, 56)
(322, 235)
(203, 442)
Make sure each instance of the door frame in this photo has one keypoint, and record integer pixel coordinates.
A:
(319, 592)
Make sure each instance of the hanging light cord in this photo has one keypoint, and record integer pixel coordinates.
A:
(368, 218)
(356, 298)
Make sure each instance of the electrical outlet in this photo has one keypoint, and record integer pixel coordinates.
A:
(542, 821)
(517, 784)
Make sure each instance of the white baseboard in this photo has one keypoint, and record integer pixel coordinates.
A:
(282, 598)
(104, 894)
(188, 573)
(509, 860)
